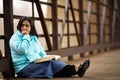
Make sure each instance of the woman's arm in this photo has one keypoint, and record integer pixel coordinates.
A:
(20, 44)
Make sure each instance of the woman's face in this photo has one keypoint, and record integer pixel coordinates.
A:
(25, 28)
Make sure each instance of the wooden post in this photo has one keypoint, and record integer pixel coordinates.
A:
(8, 31)
(41, 17)
(55, 25)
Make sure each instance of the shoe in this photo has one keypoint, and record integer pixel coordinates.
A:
(83, 67)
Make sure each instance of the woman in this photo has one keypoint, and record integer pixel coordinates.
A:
(26, 48)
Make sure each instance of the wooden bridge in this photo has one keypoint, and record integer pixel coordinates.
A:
(68, 28)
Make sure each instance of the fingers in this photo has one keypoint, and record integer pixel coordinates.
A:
(24, 32)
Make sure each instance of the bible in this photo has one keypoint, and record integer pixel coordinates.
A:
(47, 58)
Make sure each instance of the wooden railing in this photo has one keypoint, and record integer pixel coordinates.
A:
(83, 49)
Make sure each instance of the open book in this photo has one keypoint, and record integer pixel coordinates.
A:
(47, 58)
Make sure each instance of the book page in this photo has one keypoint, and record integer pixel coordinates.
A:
(47, 58)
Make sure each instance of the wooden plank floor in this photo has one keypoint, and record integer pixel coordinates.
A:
(104, 66)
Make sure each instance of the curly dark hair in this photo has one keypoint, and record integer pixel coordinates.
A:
(30, 20)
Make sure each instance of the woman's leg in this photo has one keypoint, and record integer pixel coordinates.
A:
(70, 70)
(67, 71)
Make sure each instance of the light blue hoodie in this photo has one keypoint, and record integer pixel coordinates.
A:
(24, 50)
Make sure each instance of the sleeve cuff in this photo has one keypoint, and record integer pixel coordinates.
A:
(26, 37)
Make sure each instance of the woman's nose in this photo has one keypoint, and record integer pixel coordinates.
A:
(23, 27)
